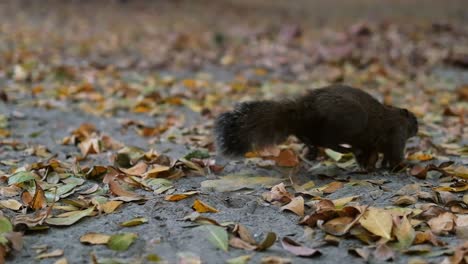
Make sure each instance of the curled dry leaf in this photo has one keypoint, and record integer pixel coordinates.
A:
(443, 223)
(237, 242)
(332, 187)
(297, 249)
(202, 207)
(278, 193)
(296, 206)
(267, 242)
(217, 235)
(405, 200)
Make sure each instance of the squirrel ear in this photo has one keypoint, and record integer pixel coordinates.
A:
(405, 112)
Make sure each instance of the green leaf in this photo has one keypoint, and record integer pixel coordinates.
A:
(20, 177)
(197, 154)
(121, 242)
(217, 235)
(71, 219)
(269, 240)
(134, 222)
(5, 225)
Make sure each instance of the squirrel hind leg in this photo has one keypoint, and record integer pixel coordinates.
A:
(366, 159)
(228, 135)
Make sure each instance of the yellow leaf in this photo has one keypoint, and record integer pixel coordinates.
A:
(180, 196)
(202, 207)
(296, 206)
(94, 238)
(110, 206)
(378, 222)
(11, 204)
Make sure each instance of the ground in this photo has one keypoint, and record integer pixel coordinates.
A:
(100, 104)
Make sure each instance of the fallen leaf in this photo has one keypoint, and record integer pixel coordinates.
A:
(110, 206)
(94, 238)
(427, 236)
(138, 169)
(275, 260)
(297, 249)
(405, 200)
(378, 222)
(52, 254)
(332, 187)
(296, 206)
(267, 242)
(202, 207)
(343, 201)
(286, 158)
(236, 242)
(123, 194)
(39, 200)
(180, 196)
(134, 222)
(217, 235)
(442, 224)
(121, 242)
(20, 177)
(71, 219)
(237, 182)
(61, 261)
(244, 259)
(11, 204)
(278, 193)
(403, 231)
(384, 253)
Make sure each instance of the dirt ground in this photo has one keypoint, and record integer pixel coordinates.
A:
(171, 67)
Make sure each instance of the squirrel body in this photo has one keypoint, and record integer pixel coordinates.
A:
(329, 117)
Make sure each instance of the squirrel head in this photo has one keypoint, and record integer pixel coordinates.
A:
(412, 122)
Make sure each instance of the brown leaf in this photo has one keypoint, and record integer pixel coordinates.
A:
(138, 169)
(244, 234)
(278, 193)
(427, 236)
(275, 260)
(405, 200)
(287, 158)
(442, 224)
(39, 199)
(333, 187)
(297, 249)
(384, 253)
(296, 206)
(202, 207)
(239, 243)
(403, 231)
(127, 196)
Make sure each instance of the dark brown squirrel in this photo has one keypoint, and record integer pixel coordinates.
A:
(330, 117)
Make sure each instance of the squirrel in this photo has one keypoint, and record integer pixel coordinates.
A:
(330, 117)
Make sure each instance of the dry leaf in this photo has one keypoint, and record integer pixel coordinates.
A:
(94, 238)
(297, 249)
(110, 206)
(180, 196)
(442, 224)
(378, 222)
(296, 206)
(11, 204)
(52, 254)
(202, 207)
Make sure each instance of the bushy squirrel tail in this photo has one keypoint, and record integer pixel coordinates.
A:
(253, 126)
